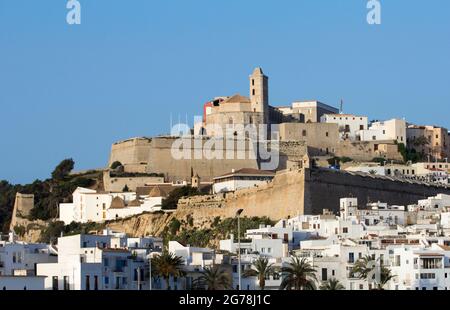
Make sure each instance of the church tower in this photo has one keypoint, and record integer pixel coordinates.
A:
(259, 93)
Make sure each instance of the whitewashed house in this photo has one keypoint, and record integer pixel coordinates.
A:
(92, 206)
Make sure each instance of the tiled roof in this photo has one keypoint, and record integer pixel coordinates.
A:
(247, 172)
(237, 99)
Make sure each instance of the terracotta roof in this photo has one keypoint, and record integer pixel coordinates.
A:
(237, 99)
(156, 192)
(445, 247)
(163, 190)
(247, 172)
(430, 254)
(117, 203)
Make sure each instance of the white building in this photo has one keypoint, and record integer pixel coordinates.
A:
(349, 125)
(100, 262)
(20, 258)
(241, 179)
(92, 206)
(392, 170)
(394, 129)
(195, 261)
(419, 268)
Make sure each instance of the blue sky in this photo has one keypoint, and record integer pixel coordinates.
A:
(71, 91)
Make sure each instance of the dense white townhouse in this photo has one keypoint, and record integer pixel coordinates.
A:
(92, 206)
(100, 262)
(394, 129)
(20, 258)
(349, 125)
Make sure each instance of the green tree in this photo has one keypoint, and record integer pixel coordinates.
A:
(168, 265)
(262, 270)
(174, 226)
(213, 278)
(299, 274)
(63, 169)
(385, 276)
(171, 202)
(363, 267)
(116, 165)
(332, 285)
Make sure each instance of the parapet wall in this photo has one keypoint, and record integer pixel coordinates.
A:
(324, 188)
(306, 191)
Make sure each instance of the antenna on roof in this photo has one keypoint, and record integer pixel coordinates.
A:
(341, 108)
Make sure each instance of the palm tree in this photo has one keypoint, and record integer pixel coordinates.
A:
(213, 278)
(298, 275)
(363, 267)
(261, 269)
(385, 276)
(332, 285)
(168, 265)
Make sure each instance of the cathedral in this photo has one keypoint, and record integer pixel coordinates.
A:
(228, 115)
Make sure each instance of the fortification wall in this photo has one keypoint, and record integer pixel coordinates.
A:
(367, 150)
(161, 159)
(278, 199)
(116, 184)
(306, 191)
(131, 152)
(324, 188)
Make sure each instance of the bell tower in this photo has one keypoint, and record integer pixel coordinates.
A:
(259, 93)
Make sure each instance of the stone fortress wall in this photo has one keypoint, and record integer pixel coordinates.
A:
(154, 156)
(306, 191)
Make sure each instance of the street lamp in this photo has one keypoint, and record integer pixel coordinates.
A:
(238, 214)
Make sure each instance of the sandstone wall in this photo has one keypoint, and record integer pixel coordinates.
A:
(161, 159)
(116, 184)
(324, 188)
(367, 150)
(31, 229)
(130, 152)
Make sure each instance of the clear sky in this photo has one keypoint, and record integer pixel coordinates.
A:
(71, 91)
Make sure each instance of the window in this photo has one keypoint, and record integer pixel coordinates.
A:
(88, 283)
(106, 262)
(106, 280)
(304, 133)
(96, 283)
(55, 283)
(324, 274)
(345, 230)
(326, 134)
(361, 286)
(361, 127)
(253, 92)
(66, 283)
(351, 258)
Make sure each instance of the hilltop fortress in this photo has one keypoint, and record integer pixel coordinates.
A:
(298, 127)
